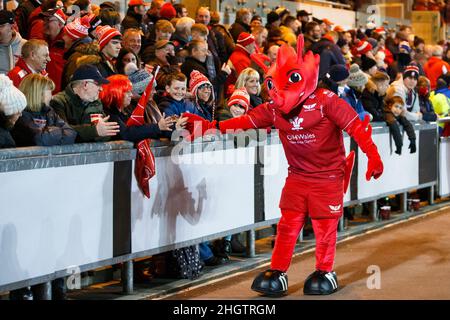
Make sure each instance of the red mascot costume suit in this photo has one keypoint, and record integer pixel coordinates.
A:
(310, 123)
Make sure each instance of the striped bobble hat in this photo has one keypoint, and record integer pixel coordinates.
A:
(411, 71)
(361, 47)
(105, 34)
(241, 98)
(245, 39)
(76, 29)
(196, 80)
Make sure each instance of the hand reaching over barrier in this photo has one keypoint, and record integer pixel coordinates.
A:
(198, 126)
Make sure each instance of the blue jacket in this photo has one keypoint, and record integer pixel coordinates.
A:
(170, 107)
(351, 97)
(444, 91)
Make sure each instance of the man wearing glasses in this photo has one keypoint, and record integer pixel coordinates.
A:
(80, 106)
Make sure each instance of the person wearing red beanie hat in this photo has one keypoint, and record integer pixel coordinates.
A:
(110, 42)
(362, 47)
(135, 14)
(240, 58)
(203, 92)
(167, 11)
(239, 102)
(74, 31)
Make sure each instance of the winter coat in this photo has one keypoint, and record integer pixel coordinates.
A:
(444, 91)
(353, 98)
(255, 100)
(330, 54)
(77, 113)
(36, 25)
(10, 53)
(225, 43)
(433, 70)
(133, 20)
(106, 67)
(397, 88)
(426, 107)
(170, 106)
(56, 66)
(441, 105)
(191, 64)
(20, 71)
(44, 128)
(240, 59)
(6, 140)
(237, 28)
(22, 14)
(373, 102)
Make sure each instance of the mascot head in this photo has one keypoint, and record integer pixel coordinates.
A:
(293, 77)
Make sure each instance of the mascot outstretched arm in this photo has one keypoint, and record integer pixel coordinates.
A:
(310, 121)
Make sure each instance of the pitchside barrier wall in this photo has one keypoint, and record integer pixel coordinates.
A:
(70, 209)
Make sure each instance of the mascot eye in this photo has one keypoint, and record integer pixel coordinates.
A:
(269, 84)
(295, 77)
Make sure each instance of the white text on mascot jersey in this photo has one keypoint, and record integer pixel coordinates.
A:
(301, 138)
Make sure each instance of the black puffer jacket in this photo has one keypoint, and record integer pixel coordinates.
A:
(372, 102)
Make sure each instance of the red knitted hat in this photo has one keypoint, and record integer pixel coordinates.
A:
(245, 39)
(197, 79)
(361, 47)
(167, 11)
(76, 29)
(105, 34)
(240, 97)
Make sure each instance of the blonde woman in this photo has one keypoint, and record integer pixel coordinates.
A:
(249, 79)
(39, 124)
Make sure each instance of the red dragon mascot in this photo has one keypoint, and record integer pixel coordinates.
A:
(310, 122)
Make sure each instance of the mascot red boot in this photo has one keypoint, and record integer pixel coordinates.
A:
(310, 123)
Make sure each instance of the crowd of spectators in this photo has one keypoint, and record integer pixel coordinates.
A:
(67, 78)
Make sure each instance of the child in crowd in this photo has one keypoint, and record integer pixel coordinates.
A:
(174, 101)
(426, 107)
(39, 124)
(238, 104)
(374, 93)
(394, 112)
